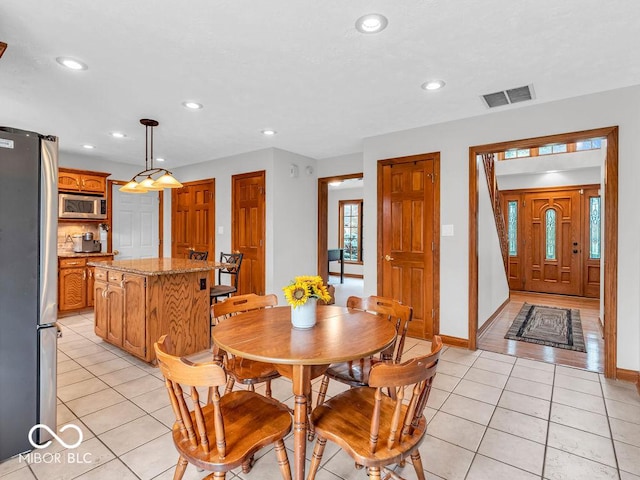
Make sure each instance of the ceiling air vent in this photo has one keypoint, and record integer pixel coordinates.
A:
(513, 95)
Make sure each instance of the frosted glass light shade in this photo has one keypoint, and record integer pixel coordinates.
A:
(149, 184)
(133, 187)
(167, 181)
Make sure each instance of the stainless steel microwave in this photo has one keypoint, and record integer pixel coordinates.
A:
(81, 206)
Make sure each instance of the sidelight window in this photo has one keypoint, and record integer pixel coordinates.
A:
(594, 228)
(351, 230)
(550, 229)
(512, 212)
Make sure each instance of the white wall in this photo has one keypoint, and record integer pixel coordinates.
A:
(333, 227)
(291, 210)
(453, 139)
(493, 288)
(341, 165)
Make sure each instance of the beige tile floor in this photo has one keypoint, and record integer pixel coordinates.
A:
(491, 416)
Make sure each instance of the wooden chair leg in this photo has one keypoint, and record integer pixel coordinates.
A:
(268, 389)
(247, 465)
(322, 393)
(229, 387)
(180, 468)
(374, 473)
(417, 464)
(283, 460)
(316, 458)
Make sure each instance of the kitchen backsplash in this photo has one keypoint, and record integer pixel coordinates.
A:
(67, 230)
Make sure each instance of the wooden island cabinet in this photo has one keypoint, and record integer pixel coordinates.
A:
(138, 301)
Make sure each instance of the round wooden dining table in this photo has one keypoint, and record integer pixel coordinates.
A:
(340, 334)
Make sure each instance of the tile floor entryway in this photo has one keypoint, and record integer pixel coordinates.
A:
(492, 417)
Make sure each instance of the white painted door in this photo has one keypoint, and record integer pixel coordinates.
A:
(135, 224)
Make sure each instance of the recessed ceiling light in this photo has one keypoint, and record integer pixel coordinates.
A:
(371, 23)
(117, 134)
(71, 63)
(88, 147)
(192, 105)
(159, 159)
(433, 84)
(269, 132)
(336, 183)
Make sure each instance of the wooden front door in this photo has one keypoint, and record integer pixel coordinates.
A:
(552, 242)
(193, 219)
(248, 230)
(407, 237)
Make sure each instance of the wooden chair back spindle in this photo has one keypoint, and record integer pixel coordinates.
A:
(255, 421)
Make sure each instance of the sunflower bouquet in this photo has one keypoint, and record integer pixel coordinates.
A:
(303, 288)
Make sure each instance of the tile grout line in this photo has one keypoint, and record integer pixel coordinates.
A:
(606, 412)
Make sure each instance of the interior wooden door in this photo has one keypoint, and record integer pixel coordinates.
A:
(180, 222)
(407, 214)
(193, 219)
(248, 230)
(552, 242)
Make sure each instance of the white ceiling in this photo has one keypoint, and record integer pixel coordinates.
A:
(297, 66)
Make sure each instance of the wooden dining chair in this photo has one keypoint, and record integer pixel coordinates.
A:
(356, 373)
(225, 432)
(375, 429)
(231, 271)
(195, 255)
(242, 370)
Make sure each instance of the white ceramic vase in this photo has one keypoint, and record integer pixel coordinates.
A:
(304, 316)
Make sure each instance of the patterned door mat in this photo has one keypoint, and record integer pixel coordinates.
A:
(552, 326)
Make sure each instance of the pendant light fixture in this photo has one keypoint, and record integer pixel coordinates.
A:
(163, 177)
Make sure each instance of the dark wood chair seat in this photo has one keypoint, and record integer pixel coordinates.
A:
(377, 429)
(227, 431)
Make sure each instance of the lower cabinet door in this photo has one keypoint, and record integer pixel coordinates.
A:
(115, 309)
(101, 312)
(135, 318)
(73, 289)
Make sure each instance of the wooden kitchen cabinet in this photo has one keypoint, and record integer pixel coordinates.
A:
(82, 181)
(76, 282)
(72, 284)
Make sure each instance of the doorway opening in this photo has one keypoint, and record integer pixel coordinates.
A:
(610, 219)
(340, 232)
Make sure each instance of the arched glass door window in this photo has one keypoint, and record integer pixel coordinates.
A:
(550, 229)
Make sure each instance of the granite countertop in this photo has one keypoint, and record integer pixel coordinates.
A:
(84, 254)
(157, 266)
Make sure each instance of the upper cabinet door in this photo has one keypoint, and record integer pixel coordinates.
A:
(82, 181)
(68, 181)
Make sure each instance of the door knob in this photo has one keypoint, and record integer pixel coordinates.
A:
(388, 258)
(116, 252)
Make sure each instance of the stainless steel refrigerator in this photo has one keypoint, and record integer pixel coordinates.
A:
(28, 286)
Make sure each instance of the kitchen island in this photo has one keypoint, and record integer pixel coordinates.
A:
(139, 300)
